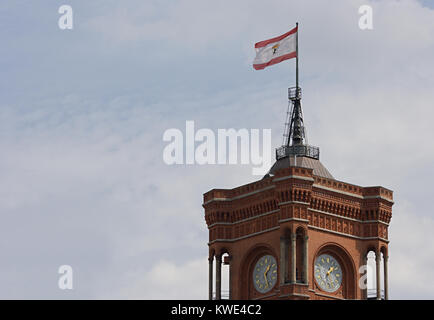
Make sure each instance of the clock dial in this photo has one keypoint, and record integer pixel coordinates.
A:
(328, 273)
(265, 274)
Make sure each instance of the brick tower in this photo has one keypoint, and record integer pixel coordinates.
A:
(298, 233)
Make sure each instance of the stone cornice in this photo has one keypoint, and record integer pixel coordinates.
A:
(326, 295)
(358, 196)
(293, 177)
(243, 220)
(293, 202)
(244, 237)
(241, 196)
(348, 218)
(267, 296)
(346, 234)
(294, 219)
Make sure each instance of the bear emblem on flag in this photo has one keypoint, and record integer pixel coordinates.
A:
(275, 47)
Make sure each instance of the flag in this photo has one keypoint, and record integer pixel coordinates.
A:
(275, 50)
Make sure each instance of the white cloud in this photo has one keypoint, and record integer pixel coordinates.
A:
(411, 253)
(83, 181)
(167, 280)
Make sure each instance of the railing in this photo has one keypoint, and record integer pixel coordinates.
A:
(294, 93)
(301, 150)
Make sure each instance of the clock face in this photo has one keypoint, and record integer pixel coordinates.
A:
(328, 273)
(265, 274)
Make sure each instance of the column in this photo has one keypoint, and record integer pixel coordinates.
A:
(230, 277)
(210, 271)
(377, 269)
(306, 260)
(293, 257)
(283, 262)
(218, 277)
(364, 261)
(386, 281)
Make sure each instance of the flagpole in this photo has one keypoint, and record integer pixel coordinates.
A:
(296, 62)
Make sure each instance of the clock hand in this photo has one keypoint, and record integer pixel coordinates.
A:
(265, 274)
(268, 269)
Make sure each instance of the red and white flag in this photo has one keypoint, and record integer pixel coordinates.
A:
(275, 50)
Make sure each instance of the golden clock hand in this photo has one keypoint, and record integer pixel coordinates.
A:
(330, 270)
(268, 269)
(265, 274)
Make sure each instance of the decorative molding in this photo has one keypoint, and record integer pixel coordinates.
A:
(241, 195)
(378, 197)
(293, 202)
(294, 294)
(337, 191)
(351, 194)
(267, 296)
(348, 218)
(328, 296)
(302, 178)
(294, 219)
(243, 220)
(293, 177)
(244, 237)
(289, 283)
(348, 235)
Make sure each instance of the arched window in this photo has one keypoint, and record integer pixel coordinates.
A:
(372, 273)
(225, 276)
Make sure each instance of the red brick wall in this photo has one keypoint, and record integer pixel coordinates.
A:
(344, 219)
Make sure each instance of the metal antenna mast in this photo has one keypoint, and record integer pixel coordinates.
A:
(296, 57)
(294, 134)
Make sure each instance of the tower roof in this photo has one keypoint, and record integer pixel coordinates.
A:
(301, 161)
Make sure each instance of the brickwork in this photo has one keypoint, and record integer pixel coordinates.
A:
(335, 217)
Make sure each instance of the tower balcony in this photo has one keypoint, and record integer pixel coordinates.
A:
(294, 93)
(297, 150)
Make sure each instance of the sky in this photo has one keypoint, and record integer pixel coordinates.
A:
(83, 113)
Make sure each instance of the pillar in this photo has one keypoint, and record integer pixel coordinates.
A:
(386, 281)
(306, 260)
(218, 278)
(377, 269)
(210, 271)
(364, 261)
(283, 262)
(293, 257)
(230, 277)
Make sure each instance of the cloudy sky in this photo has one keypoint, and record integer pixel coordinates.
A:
(83, 113)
